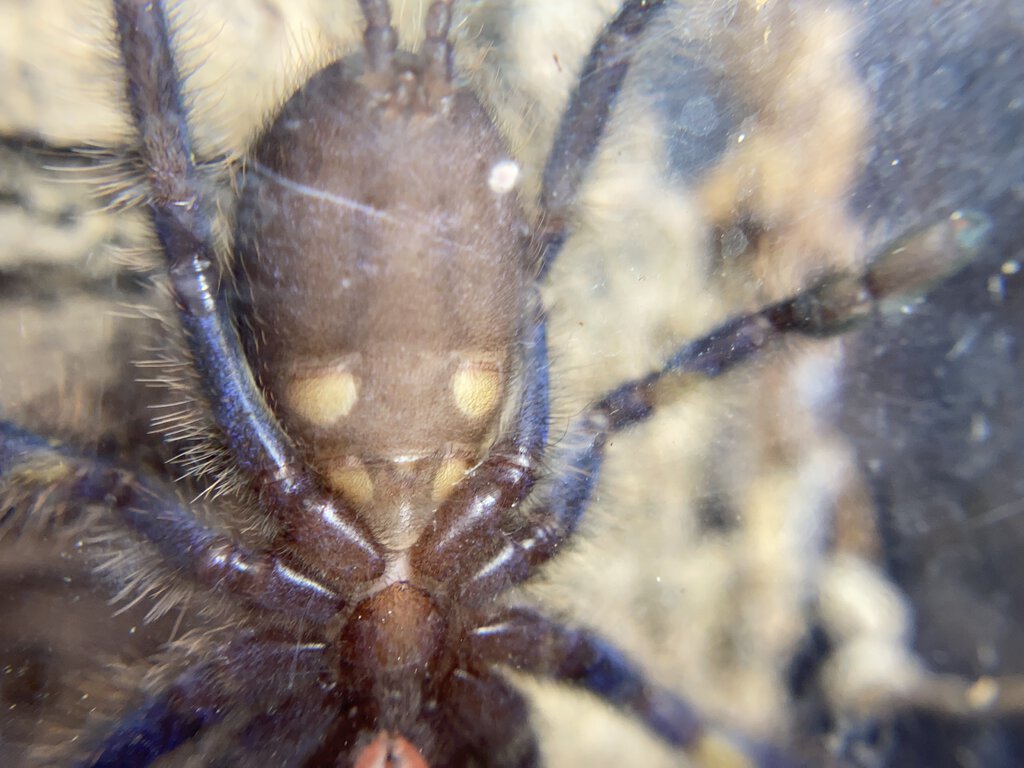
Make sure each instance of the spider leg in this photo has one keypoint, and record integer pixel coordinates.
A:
(257, 672)
(380, 39)
(529, 642)
(316, 527)
(293, 729)
(161, 726)
(437, 46)
(494, 718)
(583, 122)
(33, 472)
(471, 515)
(834, 303)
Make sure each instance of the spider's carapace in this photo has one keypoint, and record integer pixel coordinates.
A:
(382, 255)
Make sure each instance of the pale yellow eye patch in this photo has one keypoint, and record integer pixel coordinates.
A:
(448, 475)
(325, 398)
(350, 478)
(476, 386)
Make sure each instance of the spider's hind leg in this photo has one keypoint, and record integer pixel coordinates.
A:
(529, 642)
(260, 672)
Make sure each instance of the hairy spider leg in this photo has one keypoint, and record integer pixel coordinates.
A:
(32, 469)
(583, 123)
(832, 305)
(320, 530)
(263, 673)
(529, 642)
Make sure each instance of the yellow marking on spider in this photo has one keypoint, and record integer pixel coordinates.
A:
(324, 398)
(452, 470)
(350, 478)
(477, 388)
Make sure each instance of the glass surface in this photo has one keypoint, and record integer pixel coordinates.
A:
(803, 548)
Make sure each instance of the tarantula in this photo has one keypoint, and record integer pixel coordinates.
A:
(373, 360)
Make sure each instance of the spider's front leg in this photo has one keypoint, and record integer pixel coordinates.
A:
(584, 121)
(317, 528)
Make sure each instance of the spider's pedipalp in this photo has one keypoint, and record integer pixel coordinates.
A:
(380, 38)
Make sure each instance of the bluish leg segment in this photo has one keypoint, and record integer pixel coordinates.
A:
(832, 305)
(472, 515)
(315, 527)
(583, 123)
(32, 469)
(529, 642)
(493, 716)
(532, 421)
(160, 727)
(253, 675)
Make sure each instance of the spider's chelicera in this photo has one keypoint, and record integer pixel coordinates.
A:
(374, 363)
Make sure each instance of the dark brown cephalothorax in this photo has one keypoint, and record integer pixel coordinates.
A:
(392, 369)
(373, 366)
